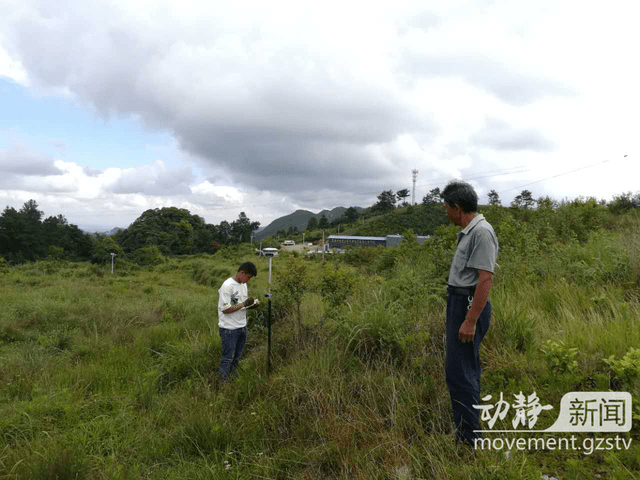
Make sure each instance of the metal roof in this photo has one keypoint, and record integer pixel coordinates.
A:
(355, 237)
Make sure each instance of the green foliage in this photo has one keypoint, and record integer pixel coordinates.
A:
(386, 202)
(201, 436)
(402, 195)
(56, 252)
(627, 369)
(560, 358)
(364, 257)
(624, 203)
(149, 256)
(323, 223)
(336, 284)
(423, 220)
(104, 247)
(494, 198)
(291, 284)
(523, 200)
(25, 237)
(312, 224)
(514, 326)
(171, 229)
(111, 376)
(205, 274)
(434, 197)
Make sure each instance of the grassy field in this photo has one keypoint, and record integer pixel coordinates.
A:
(110, 376)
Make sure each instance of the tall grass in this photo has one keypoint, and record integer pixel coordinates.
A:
(112, 376)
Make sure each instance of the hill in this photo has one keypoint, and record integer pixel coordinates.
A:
(423, 220)
(298, 219)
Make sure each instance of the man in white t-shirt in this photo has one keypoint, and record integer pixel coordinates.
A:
(233, 300)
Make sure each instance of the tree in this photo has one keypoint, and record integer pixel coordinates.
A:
(25, 237)
(351, 214)
(323, 223)
(103, 249)
(293, 282)
(11, 235)
(524, 200)
(242, 228)
(312, 224)
(204, 239)
(224, 232)
(386, 202)
(21, 233)
(624, 202)
(494, 198)
(433, 197)
(402, 194)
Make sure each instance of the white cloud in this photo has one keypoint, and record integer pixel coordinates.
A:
(314, 105)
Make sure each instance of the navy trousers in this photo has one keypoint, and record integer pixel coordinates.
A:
(233, 342)
(462, 367)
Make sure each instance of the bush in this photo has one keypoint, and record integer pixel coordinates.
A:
(336, 284)
(149, 256)
(627, 369)
(560, 358)
(202, 274)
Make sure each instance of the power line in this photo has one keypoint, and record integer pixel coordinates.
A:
(476, 178)
(496, 172)
(558, 175)
(502, 171)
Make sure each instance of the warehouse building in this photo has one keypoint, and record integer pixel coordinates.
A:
(342, 241)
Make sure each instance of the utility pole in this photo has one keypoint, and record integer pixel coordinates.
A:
(113, 255)
(414, 172)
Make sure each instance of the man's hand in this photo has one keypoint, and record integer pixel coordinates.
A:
(467, 331)
(255, 304)
(248, 302)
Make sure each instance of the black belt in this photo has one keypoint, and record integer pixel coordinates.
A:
(468, 291)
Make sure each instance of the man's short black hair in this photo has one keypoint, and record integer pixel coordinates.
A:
(248, 267)
(462, 194)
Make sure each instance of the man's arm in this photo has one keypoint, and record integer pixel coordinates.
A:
(233, 308)
(468, 328)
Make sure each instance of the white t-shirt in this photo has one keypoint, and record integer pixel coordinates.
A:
(232, 293)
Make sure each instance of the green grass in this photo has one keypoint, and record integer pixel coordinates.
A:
(111, 376)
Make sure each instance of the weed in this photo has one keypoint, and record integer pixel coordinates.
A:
(560, 358)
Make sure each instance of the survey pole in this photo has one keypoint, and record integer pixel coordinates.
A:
(268, 295)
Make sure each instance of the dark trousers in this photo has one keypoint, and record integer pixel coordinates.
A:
(462, 367)
(233, 342)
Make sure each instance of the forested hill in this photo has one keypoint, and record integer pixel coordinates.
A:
(298, 221)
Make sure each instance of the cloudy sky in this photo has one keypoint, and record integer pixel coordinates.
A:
(112, 107)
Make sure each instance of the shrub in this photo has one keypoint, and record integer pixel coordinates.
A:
(336, 284)
(627, 369)
(292, 284)
(148, 256)
(560, 358)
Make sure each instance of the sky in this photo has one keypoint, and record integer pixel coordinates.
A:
(112, 107)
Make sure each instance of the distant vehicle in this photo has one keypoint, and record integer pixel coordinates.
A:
(269, 252)
(287, 243)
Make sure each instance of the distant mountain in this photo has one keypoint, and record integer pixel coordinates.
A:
(299, 219)
(107, 233)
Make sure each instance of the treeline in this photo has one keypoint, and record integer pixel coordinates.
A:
(26, 237)
(391, 214)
